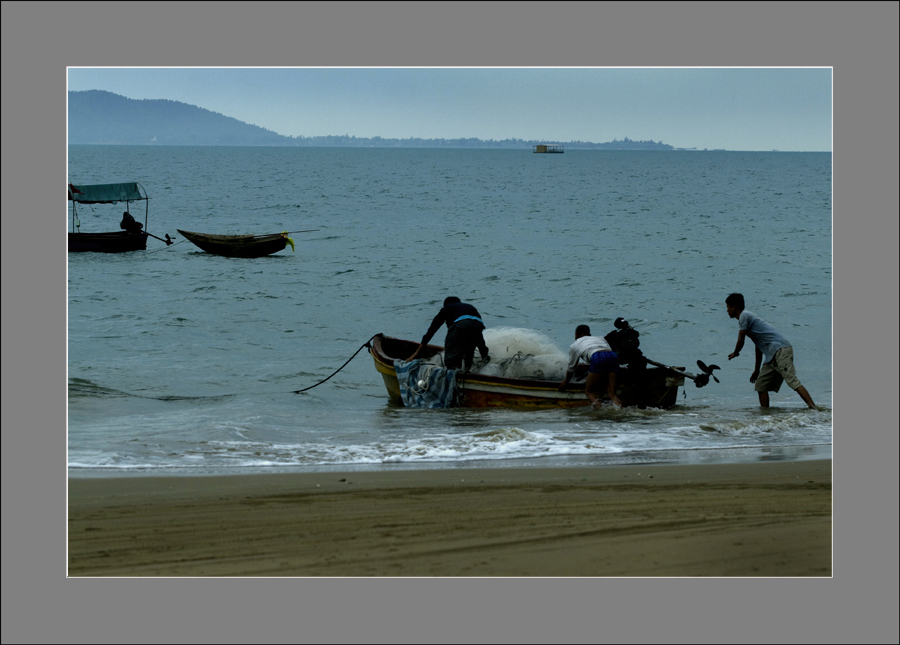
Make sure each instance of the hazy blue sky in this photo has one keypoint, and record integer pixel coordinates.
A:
(732, 108)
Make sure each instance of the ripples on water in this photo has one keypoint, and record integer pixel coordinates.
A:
(183, 360)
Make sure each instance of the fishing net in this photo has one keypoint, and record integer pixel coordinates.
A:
(520, 354)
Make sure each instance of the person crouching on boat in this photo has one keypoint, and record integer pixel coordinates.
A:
(464, 334)
(603, 363)
(129, 224)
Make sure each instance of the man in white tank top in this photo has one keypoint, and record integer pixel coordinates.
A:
(604, 366)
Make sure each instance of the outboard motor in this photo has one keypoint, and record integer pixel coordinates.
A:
(624, 342)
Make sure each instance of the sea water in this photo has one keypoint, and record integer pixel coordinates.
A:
(182, 362)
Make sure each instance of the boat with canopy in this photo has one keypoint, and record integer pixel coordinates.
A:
(134, 235)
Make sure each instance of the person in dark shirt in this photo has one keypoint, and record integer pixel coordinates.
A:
(129, 224)
(464, 334)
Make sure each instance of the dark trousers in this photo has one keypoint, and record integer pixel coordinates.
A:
(463, 338)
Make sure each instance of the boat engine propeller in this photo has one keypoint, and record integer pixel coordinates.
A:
(708, 370)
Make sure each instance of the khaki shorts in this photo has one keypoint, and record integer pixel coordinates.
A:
(779, 369)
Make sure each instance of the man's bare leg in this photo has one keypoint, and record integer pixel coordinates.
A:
(611, 389)
(592, 389)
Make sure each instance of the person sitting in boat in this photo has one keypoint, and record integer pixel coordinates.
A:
(464, 334)
(603, 361)
(129, 224)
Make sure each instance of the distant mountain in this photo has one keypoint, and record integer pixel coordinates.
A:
(98, 117)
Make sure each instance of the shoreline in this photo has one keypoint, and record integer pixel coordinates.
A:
(769, 518)
(747, 454)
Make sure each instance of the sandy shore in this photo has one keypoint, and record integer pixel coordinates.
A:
(763, 519)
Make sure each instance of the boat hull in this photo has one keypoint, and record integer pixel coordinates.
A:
(237, 246)
(114, 242)
(653, 387)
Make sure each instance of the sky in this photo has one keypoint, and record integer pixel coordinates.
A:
(787, 109)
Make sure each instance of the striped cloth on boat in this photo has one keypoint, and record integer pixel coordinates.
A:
(438, 389)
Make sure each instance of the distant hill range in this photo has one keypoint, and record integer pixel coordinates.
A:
(99, 117)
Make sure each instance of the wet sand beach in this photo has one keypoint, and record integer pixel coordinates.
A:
(759, 519)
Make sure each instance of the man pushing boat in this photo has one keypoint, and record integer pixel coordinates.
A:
(464, 334)
(778, 366)
(603, 361)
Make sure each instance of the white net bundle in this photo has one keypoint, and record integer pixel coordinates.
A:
(520, 353)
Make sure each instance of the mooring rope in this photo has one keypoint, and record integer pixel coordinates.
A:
(365, 344)
(368, 343)
(167, 246)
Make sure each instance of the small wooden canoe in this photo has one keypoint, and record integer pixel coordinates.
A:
(655, 387)
(238, 246)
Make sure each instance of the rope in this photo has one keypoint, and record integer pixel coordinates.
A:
(666, 393)
(309, 230)
(219, 396)
(168, 246)
(365, 344)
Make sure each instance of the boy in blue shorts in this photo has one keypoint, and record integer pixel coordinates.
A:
(603, 361)
(778, 353)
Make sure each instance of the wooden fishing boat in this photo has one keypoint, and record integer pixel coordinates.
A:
(239, 246)
(655, 387)
(115, 241)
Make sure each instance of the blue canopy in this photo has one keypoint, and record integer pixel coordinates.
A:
(106, 193)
